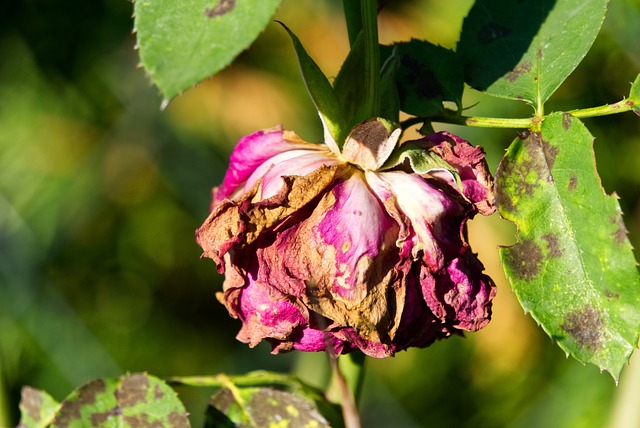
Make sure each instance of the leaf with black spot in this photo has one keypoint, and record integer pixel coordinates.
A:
(37, 408)
(426, 76)
(262, 407)
(131, 401)
(524, 49)
(573, 267)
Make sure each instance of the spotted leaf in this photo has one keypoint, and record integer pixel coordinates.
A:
(262, 407)
(525, 49)
(573, 267)
(131, 401)
(37, 408)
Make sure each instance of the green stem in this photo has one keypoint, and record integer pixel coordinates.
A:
(345, 386)
(451, 116)
(369, 11)
(248, 380)
(354, 20)
(480, 122)
(352, 369)
(607, 109)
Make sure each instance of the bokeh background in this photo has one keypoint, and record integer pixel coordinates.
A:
(101, 191)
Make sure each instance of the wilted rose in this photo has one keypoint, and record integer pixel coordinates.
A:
(359, 248)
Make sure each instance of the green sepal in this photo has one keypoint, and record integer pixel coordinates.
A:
(390, 98)
(321, 92)
(349, 86)
(421, 159)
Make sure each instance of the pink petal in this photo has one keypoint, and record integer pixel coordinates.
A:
(435, 217)
(291, 163)
(254, 150)
(461, 294)
(470, 163)
(357, 228)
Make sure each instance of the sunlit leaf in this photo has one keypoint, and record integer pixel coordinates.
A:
(525, 49)
(262, 407)
(37, 408)
(573, 267)
(130, 401)
(182, 43)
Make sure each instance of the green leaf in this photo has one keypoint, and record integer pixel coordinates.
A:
(37, 408)
(182, 43)
(524, 50)
(634, 95)
(130, 401)
(321, 93)
(262, 407)
(427, 75)
(573, 267)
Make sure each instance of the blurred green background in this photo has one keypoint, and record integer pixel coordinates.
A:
(101, 191)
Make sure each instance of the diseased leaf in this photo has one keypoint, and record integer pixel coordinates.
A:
(525, 49)
(37, 408)
(182, 43)
(262, 407)
(573, 267)
(427, 75)
(130, 401)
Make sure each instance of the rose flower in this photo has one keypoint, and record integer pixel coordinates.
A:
(361, 248)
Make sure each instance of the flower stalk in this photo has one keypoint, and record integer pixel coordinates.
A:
(371, 76)
(346, 384)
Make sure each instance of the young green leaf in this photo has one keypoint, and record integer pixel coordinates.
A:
(262, 407)
(182, 43)
(427, 75)
(37, 408)
(321, 93)
(130, 401)
(573, 267)
(524, 50)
